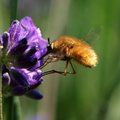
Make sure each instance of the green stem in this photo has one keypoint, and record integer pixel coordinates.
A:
(11, 105)
(11, 108)
(17, 109)
(1, 98)
(8, 108)
(1, 104)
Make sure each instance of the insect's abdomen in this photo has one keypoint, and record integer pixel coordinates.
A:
(85, 55)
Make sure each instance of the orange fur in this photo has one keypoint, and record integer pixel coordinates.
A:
(75, 49)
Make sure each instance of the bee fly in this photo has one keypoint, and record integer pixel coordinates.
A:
(67, 48)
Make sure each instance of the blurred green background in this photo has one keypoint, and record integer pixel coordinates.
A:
(91, 94)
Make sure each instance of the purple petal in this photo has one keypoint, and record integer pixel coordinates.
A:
(28, 23)
(14, 31)
(30, 51)
(5, 38)
(18, 47)
(18, 77)
(26, 62)
(37, 65)
(34, 95)
(34, 35)
(26, 77)
(4, 69)
(6, 79)
(18, 90)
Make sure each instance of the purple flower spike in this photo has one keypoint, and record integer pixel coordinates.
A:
(21, 49)
(26, 44)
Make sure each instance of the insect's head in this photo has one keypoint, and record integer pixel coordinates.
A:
(49, 48)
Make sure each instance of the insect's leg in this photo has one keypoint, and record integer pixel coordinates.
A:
(47, 61)
(65, 70)
(61, 72)
(74, 72)
(51, 58)
(54, 71)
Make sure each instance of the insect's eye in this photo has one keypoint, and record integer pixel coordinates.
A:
(71, 47)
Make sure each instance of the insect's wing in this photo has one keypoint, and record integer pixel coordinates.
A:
(93, 34)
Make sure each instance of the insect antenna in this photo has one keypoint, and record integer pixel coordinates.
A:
(49, 50)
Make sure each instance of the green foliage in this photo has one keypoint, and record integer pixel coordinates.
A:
(91, 94)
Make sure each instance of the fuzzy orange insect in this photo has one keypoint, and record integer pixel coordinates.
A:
(67, 48)
(75, 49)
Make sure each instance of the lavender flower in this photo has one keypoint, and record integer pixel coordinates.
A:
(20, 51)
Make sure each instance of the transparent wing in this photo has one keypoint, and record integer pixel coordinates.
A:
(93, 34)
